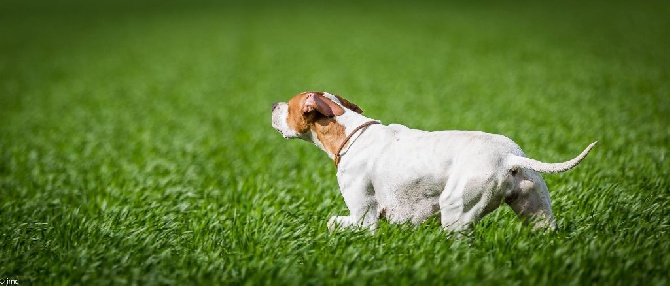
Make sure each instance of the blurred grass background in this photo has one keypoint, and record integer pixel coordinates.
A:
(136, 146)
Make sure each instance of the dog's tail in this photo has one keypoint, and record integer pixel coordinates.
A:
(515, 162)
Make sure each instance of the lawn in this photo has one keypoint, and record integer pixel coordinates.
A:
(136, 146)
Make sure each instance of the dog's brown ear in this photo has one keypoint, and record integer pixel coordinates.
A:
(349, 105)
(322, 104)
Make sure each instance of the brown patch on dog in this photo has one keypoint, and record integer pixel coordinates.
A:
(349, 105)
(296, 117)
(302, 119)
(330, 133)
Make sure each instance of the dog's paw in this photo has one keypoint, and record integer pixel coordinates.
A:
(347, 222)
(338, 222)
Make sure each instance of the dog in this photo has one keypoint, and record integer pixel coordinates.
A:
(407, 175)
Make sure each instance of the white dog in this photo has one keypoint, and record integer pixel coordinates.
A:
(407, 175)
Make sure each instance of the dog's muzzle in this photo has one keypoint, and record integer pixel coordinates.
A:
(279, 120)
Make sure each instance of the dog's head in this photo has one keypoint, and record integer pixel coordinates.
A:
(309, 111)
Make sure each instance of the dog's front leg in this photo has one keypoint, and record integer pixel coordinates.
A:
(359, 197)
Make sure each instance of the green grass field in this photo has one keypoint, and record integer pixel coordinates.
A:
(136, 146)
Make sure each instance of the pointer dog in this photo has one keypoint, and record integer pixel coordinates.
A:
(406, 175)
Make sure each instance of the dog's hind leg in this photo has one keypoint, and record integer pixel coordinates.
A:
(465, 200)
(451, 206)
(530, 200)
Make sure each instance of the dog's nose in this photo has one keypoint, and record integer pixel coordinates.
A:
(274, 105)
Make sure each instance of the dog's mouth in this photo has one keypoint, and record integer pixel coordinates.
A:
(276, 126)
(282, 133)
(279, 121)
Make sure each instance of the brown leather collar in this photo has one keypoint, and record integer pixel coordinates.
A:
(338, 156)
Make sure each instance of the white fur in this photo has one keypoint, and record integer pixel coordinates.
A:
(407, 175)
(279, 122)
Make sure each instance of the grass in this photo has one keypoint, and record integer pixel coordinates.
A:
(136, 146)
